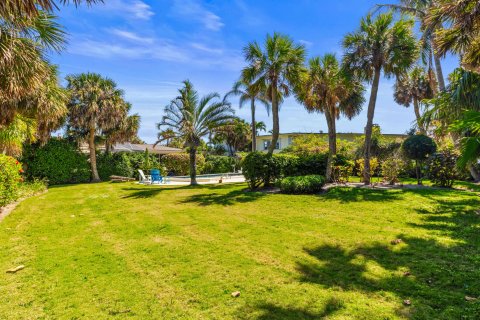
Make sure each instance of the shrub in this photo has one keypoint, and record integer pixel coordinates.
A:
(218, 164)
(254, 167)
(309, 164)
(391, 169)
(441, 168)
(58, 162)
(342, 168)
(179, 163)
(361, 166)
(109, 164)
(418, 148)
(302, 184)
(10, 178)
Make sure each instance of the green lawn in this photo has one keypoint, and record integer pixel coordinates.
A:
(124, 251)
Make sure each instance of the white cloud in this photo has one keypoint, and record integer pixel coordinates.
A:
(305, 43)
(193, 10)
(205, 48)
(141, 10)
(130, 9)
(131, 36)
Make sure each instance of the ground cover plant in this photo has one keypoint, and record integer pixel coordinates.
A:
(124, 251)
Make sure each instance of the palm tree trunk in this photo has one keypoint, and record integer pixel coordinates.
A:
(332, 143)
(416, 108)
(276, 125)
(254, 127)
(93, 156)
(193, 166)
(369, 127)
(438, 66)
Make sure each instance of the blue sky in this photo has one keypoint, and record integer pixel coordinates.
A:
(149, 46)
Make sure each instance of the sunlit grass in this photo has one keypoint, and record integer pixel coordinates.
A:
(139, 252)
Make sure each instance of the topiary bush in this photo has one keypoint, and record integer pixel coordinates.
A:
(418, 148)
(10, 178)
(441, 168)
(58, 162)
(179, 163)
(218, 164)
(302, 184)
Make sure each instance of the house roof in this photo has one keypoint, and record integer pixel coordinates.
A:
(133, 147)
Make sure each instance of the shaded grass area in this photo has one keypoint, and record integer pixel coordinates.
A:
(124, 251)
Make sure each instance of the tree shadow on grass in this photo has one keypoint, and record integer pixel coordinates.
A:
(349, 194)
(439, 276)
(142, 192)
(271, 311)
(224, 199)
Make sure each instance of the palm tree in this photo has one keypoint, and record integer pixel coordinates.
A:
(420, 9)
(13, 136)
(277, 68)
(125, 130)
(379, 45)
(260, 126)
(413, 87)
(461, 36)
(328, 89)
(191, 119)
(30, 8)
(249, 93)
(96, 104)
(236, 135)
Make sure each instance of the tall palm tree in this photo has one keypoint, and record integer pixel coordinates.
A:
(96, 104)
(413, 87)
(191, 119)
(250, 94)
(277, 68)
(260, 126)
(125, 130)
(380, 45)
(463, 32)
(31, 8)
(328, 89)
(420, 9)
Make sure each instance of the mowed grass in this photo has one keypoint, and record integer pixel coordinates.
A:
(124, 251)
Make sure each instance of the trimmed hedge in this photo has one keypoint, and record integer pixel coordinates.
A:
(10, 178)
(179, 163)
(125, 164)
(260, 168)
(302, 184)
(59, 162)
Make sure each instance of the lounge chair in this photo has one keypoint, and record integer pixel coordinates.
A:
(142, 178)
(156, 177)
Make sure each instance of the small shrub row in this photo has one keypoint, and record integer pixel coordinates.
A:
(302, 184)
(10, 178)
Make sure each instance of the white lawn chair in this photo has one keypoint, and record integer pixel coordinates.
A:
(144, 179)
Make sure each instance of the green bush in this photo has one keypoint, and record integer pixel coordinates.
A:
(58, 162)
(391, 169)
(179, 163)
(10, 178)
(315, 164)
(302, 184)
(109, 164)
(218, 164)
(254, 166)
(441, 168)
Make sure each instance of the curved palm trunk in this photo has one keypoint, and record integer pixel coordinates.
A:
(93, 156)
(416, 108)
(193, 166)
(332, 143)
(276, 125)
(369, 127)
(254, 127)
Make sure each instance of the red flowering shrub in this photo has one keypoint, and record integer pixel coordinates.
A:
(10, 178)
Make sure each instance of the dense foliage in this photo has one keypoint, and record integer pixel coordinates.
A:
(441, 168)
(10, 170)
(391, 169)
(59, 162)
(179, 163)
(418, 148)
(218, 164)
(302, 184)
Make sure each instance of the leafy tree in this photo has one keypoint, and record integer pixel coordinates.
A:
(192, 118)
(236, 134)
(277, 68)
(250, 94)
(96, 105)
(418, 148)
(413, 87)
(380, 45)
(328, 89)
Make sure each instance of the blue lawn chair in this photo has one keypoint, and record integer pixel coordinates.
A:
(156, 176)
